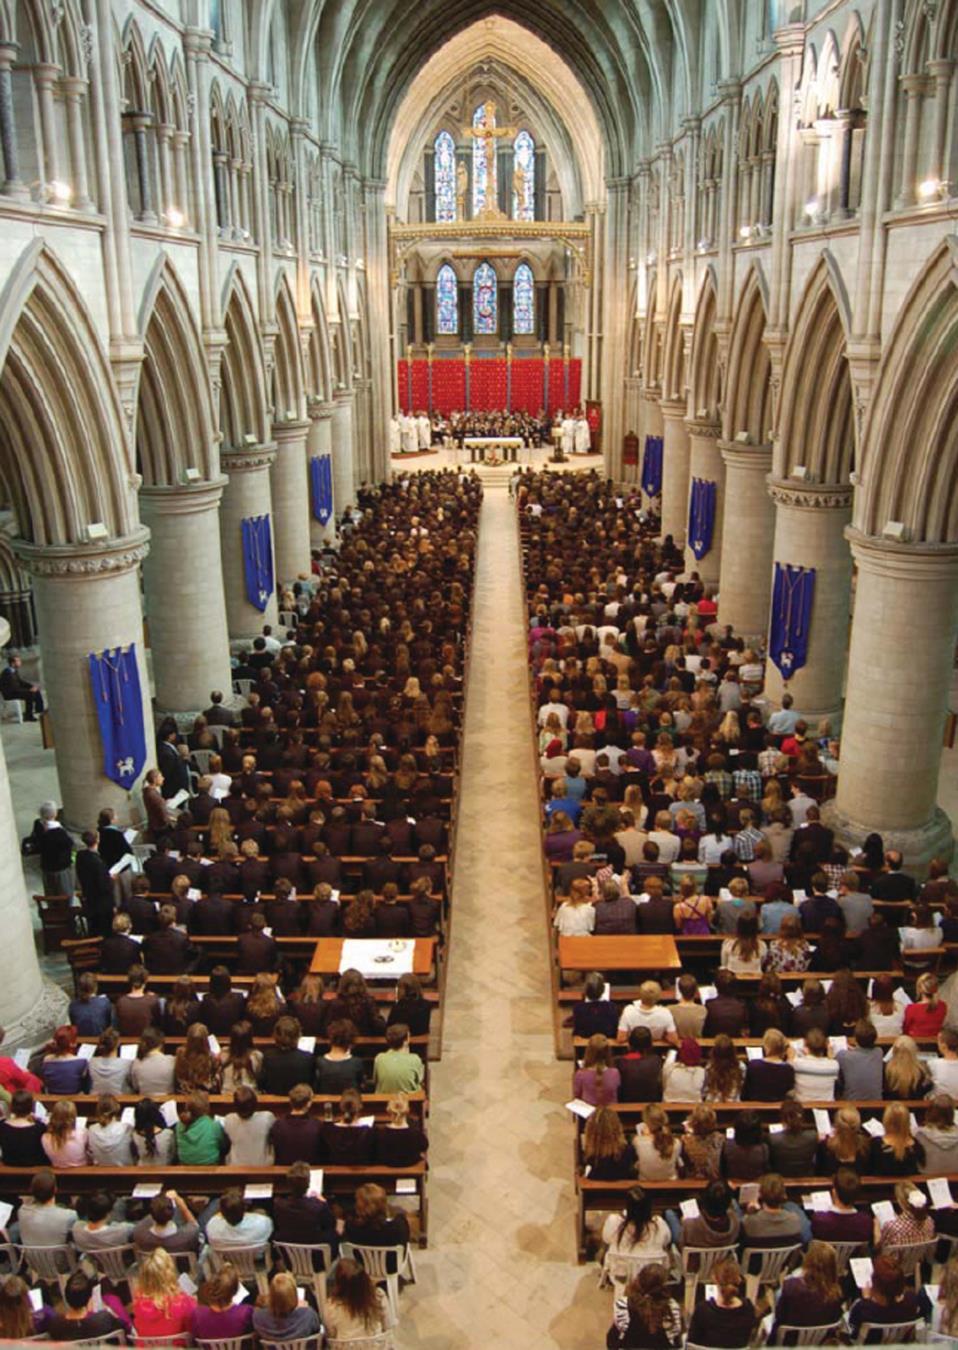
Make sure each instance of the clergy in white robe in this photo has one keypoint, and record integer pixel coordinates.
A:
(395, 437)
(410, 437)
(583, 437)
(568, 435)
(425, 431)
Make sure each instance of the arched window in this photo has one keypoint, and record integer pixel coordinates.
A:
(447, 301)
(524, 178)
(523, 301)
(485, 300)
(445, 164)
(483, 191)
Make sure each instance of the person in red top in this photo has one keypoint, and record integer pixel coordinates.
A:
(12, 1077)
(925, 1017)
(707, 606)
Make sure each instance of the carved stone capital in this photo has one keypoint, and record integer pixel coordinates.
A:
(810, 496)
(84, 560)
(703, 427)
(921, 563)
(184, 499)
(247, 460)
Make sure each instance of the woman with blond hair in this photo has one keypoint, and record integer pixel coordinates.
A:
(656, 1147)
(284, 1318)
(220, 830)
(926, 1016)
(160, 1307)
(195, 1065)
(905, 1075)
(401, 1142)
(575, 917)
(597, 1082)
(896, 1153)
(264, 1004)
(848, 1145)
(606, 1153)
(63, 1143)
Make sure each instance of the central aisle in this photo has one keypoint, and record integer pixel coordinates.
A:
(500, 1269)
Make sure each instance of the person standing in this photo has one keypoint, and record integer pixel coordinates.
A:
(55, 849)
(96, 886)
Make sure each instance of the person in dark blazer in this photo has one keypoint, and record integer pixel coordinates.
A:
(254, 872)
(222, 1005)
(160, 868)
(301, 1217)
(141, 910)
(223, 876)
(324, 867)
(284, 913)
(725, 1015)
(154, 804)
(379, 872)
(284, 1065)
(426, 866)
(118, 951)
(392, 918)
(337, 832)
(167, 951)
(112, 844)
(212, 916)
(174, 768)
(96, 886)
(13, 687)
(204, 803)
(323, 914)
(595, 1014)
(367, 833)
(256, 950)
(640, 1069)
(216, 715)
(655, 914)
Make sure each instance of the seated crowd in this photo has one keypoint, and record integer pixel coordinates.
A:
(675, 801)
(324, 807)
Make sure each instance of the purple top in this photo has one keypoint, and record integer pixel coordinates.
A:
(209, 1325)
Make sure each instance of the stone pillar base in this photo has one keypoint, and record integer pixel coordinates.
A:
(934, 839)
(34, 1027)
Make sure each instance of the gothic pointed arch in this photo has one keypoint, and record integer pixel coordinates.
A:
(706, 372)
(748, 408)
(243, 400)
(910, 437)
(319, 357)
(673, 356)
(174, 418)
(288, 375)
(816, 425)
(64, 461)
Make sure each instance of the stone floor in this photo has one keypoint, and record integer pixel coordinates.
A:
(500, 1269)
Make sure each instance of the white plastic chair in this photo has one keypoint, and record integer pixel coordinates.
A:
(891, 1333)
(250, 1263)
(11, 710)
(911, 1255)
(300, 1343)
(844, 1251)
(384, 1265)
(117, 1337)
(300, 1259)
(706, 1258)
(624, 1266)
(50, 1265)
(242, 687)
(288, 619)
(202, 758)
(772, 1264)
(116, 1263)
(789, 1335)
(217, 732)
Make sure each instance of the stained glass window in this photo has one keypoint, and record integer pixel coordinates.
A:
(447, 301)
(482, 190)
(485, 299)
(523, 300)
(445, 162)
(523, 177)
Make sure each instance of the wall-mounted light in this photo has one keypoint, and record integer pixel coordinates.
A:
(60, 192)
(896, 530)
(812, 207)
(745, 232)
(929, 189)
(97, 530)
(650, 259)
(175, 218)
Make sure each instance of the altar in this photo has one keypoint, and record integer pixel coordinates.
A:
(481, 444)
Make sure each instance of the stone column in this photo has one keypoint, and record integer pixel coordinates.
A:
(87, 599)
(810, 522)
(183, 589)
(746, 555)
(21, 986)
(44, 78)
(914, 90)
(899, 680)
(320, 442)
(705, 461)
(74, 91)
(246, 494)
(675, 469)
(13, 184)
(344, 487)
(650, 424)
(289, 488)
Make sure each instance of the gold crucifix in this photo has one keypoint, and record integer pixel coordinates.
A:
(488, 132)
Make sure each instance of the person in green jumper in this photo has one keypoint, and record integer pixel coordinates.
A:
(200, 1139)
(397, 1069)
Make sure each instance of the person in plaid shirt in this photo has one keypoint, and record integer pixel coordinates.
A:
(769, 758)
(717, 773)
(747, 779)
(747, 837)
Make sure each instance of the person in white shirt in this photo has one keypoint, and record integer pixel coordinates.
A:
(575, 917)
(944, 1068)
(799, 805)
(273, 644)
(646, 1011)
(668, 843)
(424, 429)
(815, 1070)
(713, 845)
(560, 710)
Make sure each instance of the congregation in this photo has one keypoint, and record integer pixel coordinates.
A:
(318, 808)
(770, 1091)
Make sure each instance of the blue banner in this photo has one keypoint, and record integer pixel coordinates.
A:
(701, 516)
(793, 592)
(258, 560)
(115, 682)
(652, 466)
(321, 485)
